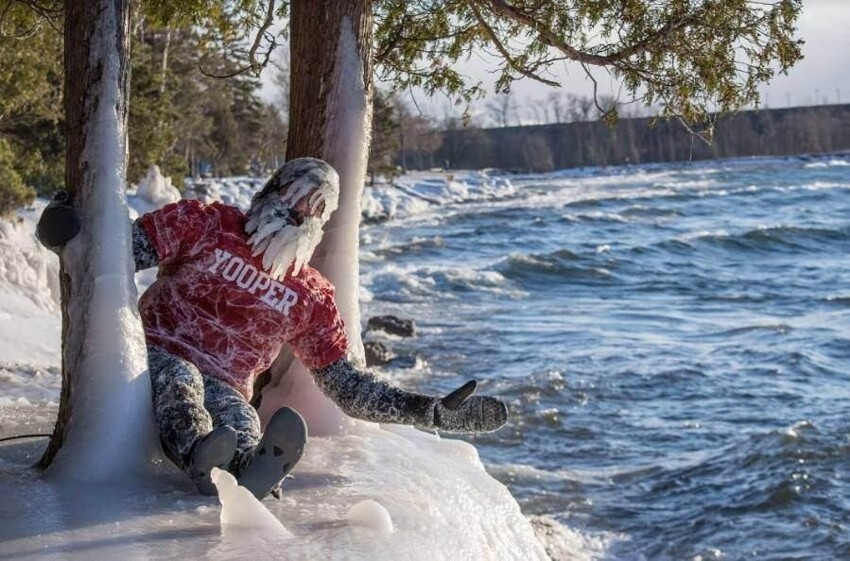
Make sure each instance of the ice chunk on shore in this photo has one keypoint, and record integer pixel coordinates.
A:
(242, 512)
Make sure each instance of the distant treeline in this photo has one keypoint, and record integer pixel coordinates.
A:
(540, 148)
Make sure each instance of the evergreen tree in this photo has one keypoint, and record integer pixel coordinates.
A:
(13, 191)
(689, 58)
(31, 100)
(154, 119)
(385, 136)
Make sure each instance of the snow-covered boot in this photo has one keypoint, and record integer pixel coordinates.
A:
(216, 449)
(277, 453)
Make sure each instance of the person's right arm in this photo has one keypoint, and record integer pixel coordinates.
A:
(60, 223)
(144, 253)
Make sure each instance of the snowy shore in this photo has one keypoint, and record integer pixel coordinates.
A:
(441, 502)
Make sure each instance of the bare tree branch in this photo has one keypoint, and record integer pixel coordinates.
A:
(506, 55)
(48, 11)
(258, 38)
(551, 39)
(253, 65)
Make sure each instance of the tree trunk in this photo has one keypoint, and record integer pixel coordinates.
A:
(163, 69)
(105, 425)
(330, 118)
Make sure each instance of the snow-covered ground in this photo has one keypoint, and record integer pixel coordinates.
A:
(377, 492)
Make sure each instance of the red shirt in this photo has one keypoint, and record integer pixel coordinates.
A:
(214, 305)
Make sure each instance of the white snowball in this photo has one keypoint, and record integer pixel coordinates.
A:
(371, 514)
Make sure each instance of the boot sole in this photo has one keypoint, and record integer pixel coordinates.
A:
(277, 453)
(215, 450)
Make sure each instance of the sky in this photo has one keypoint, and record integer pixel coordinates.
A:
(823, 76)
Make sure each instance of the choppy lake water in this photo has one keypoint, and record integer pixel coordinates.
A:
(672, 341)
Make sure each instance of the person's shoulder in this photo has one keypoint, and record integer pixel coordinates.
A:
(314, 279)
(178, 208)
(196, 205)
(228, 216)
(218, 207)
(194, 214)
(185, 204)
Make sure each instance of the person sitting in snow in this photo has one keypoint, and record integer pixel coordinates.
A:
(232, 288)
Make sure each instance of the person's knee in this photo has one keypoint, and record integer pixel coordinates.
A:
(169, 370)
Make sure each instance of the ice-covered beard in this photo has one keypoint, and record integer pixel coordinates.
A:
(283, 244)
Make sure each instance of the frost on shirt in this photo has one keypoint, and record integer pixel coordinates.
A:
(215, 305)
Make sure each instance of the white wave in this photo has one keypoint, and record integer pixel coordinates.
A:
(703, 234)
(425, 282)
(827, 164)
(814, 186)
(598, 215)
(562, 542)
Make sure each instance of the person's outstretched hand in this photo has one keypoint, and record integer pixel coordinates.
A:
(59, 222)
(460, 411)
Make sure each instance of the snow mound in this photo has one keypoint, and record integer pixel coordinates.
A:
(416, 194)
(371, 514)
(155, 191)
(29, 294)
(27, 269)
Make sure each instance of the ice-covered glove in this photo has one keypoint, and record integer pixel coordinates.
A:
(59, 222)
(363, 396)
(460, 411)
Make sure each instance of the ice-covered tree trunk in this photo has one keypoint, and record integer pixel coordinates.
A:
(105, 420)
(330, 118)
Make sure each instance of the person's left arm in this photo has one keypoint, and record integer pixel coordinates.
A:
(321, 343)
(360, 394)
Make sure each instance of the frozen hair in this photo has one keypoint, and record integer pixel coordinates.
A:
(300, 177)
(283, 244)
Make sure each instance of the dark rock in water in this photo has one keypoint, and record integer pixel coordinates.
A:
(404, 361)
(392, 325)
(553, 536)
(377, 354)
(374, 219)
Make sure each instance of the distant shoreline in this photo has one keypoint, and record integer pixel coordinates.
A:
(814, 130)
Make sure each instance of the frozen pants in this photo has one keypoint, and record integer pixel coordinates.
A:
(188, 405)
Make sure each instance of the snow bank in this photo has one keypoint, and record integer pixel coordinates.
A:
(235, 191)
(417, 193)
(29, 294)
(153, 192)
(27, 269)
